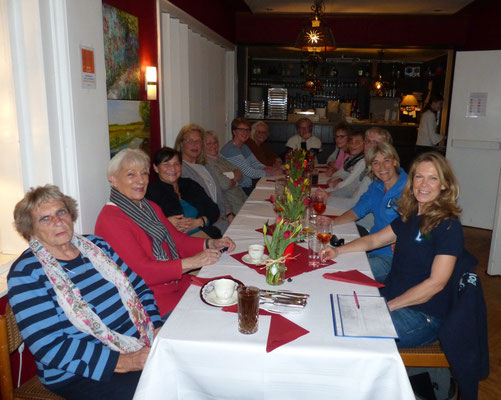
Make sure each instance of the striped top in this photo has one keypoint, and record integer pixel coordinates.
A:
(244, 159)
(62, 352)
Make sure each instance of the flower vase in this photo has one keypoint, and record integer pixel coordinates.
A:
(275, 274)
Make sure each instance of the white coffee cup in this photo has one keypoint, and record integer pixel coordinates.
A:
(224, 289)
(256, 252)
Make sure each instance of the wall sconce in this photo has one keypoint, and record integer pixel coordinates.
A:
(151, 83)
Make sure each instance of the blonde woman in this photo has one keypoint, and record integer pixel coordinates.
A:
(428, 241)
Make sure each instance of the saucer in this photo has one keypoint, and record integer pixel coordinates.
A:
(208, 295)
(248, 260)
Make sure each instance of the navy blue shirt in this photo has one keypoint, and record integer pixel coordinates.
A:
(413, 259)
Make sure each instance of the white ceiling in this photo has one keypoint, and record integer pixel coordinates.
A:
(436, 7)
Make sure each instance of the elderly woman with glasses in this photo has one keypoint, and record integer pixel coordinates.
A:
(227, 174)
(338, 157)
(190, 143)
(143, 236)
(237, 153)
(86, 317)
(257, 144)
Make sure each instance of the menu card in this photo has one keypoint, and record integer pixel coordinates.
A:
(362, 316)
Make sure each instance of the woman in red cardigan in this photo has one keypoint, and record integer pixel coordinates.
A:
(144, 239)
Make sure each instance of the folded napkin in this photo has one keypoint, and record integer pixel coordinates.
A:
(270, 199)
(295, 266)
(353, 276)
(321, 186)
(282, 331)
(196, 280)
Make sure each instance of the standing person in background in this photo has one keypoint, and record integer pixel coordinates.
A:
(237, 153)
(427, 132)
(342, 152)
(257, 144)
(304, 139)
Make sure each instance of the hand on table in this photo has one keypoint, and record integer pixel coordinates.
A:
(135, 361)
(329, 253)
(219, 244)
(199, 260)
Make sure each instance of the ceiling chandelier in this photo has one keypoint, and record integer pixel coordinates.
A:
(316, 36)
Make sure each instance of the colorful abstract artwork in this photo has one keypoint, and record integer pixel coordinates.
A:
(121, 52)
(129, 125)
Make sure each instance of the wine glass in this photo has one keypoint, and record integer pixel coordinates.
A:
(319, 202)
(324, 232)
(277, 208)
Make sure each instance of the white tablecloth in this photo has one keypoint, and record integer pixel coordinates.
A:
(199, 353)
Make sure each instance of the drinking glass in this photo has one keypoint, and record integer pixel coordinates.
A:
(276, 207)
(319, 202)
(248, 309)
(324, 232)
(279, 187)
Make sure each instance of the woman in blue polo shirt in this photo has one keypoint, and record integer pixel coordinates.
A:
(428, 241)
(380, 199)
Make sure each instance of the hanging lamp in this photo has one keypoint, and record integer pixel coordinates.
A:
(316, 36)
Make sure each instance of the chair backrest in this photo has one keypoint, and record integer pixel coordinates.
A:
(10, 339)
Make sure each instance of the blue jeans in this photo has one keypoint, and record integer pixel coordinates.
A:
(415, 328)
(380, 266)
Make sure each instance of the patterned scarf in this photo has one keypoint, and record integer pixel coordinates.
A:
(146, 218)
(77, 309)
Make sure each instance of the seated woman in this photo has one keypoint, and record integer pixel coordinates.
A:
(226, 173)
(261, 150)
(428, 239)
(238, 154)
(189, 143)
(143, 236)
(304, 139)
(336, 160)
(381, 200)
(84, 347)
(347, 196)
(349, 176)
(182, 200)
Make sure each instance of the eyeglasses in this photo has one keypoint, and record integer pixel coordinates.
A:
(51, 219)
(340, 136)
(243, 129)
(371, 142)
(211, 143)
(191, 141)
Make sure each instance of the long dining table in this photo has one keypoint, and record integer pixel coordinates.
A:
(199, 353)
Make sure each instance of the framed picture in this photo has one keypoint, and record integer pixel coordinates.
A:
(121, 53)
(129, 125)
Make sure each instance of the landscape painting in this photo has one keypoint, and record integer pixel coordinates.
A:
(129, 125)
(121, 52)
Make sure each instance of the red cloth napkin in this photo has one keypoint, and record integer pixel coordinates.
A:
(353, 276)
(321, 186)
(269, 199)
(296, 266)
(202, 281)
(282, 330)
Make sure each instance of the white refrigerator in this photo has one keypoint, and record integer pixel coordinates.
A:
(474, 143)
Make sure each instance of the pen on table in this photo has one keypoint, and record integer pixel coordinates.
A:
(356, 299)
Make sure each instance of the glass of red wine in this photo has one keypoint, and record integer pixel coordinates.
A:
(324, 232)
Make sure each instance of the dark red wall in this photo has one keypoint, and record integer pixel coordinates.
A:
(145, 11)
